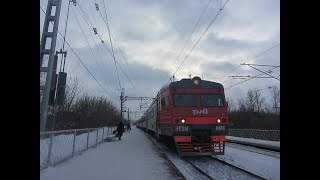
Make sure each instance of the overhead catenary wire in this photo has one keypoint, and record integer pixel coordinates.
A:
(201, 36)
(204, 10)
(90, 22)
(101, 71)
(114, 58)
(82, 61)
(261, 88)
(110, 35)
(114, 40)
(83, 15)
(64, 39)
(263, 52)
(247, 80)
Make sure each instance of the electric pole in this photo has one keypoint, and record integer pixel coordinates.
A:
(128, 116)
(122, 103)
(48, 53)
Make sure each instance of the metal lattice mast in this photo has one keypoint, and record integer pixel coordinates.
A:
(51, 17)
(122, 103)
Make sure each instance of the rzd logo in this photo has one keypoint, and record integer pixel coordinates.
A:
(203, 111)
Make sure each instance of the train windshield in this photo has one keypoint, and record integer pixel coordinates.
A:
(211, 100)
(185, 100)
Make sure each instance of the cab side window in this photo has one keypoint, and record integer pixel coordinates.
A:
(165, 103)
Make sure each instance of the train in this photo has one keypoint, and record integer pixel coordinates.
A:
(193, 113)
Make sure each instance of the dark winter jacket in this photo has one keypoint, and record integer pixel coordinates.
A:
(120, 128)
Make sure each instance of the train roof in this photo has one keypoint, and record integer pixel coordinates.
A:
(189, 83)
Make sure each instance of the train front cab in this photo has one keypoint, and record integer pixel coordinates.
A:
(199, 142)
(199, 120)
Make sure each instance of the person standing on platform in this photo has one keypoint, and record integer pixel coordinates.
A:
(120, 129)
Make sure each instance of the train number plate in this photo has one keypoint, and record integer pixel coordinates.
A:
(182, 128)
(220, 128)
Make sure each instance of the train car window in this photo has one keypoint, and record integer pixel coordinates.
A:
(211, 100)
(185, 100)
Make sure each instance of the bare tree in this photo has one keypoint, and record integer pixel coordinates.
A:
(259, 101)
(231, 105)
(275, 97)
(242, 105)
(250, 101)
(253, 112)
(254, 101)
(73, 91)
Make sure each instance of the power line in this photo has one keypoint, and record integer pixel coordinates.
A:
(112, 54)
(110, 35)
(191, 33)
(88, 44)
(87, 68)
(114, 38)
(91, 13)
(243, 77)
(92, 26)
(261, 89)
(64, 38)
(261, 65)
(105, 44)
(261, 71)
(81, 11)
(250, 60)
(80, 60)
(104, 6)
(201, 36)
(114, 58)
(246, 80)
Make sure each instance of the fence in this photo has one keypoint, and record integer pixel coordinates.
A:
(269, 135)
(58, 146)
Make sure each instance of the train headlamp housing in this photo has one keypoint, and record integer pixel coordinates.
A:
(221, 120)
(196, 80)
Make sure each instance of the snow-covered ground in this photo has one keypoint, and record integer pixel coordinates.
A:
(264, 165)
(256, 141)
(135, 157)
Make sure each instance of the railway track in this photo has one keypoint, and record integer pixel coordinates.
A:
(219, 169)
(210, 167)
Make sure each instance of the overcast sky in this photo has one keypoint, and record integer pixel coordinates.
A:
(148, 36)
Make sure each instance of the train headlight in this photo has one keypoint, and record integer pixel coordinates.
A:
(219, 120)
(183, 120)
(196, 80)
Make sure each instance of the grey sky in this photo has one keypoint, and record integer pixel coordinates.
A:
(151, 34)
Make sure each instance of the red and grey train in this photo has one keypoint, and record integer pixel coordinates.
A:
(193, 112)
